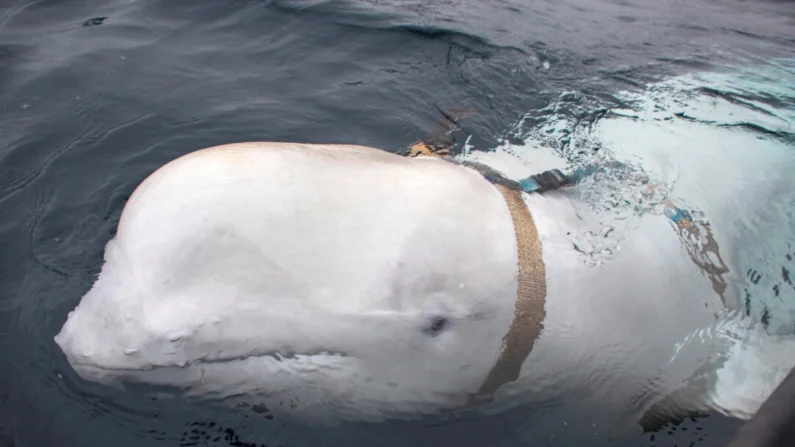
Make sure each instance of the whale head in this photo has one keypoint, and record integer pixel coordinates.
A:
(357, 286)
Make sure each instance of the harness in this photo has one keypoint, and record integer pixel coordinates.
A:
(529, 310)
(531, 291)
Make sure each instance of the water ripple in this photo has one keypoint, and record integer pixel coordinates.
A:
(88, 111)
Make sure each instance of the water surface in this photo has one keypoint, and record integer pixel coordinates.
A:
(94, 96)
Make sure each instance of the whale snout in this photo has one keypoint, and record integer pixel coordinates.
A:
(89, 348)
(104, 351)
(101, 337)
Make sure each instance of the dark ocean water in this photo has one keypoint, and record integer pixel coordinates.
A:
(95, 95)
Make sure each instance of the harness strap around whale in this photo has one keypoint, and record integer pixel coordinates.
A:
(531, 293)
(529, 308)
(529, 312)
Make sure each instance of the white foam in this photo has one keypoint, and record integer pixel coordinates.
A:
(717, 143)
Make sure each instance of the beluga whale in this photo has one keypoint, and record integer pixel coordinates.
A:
(329, 282)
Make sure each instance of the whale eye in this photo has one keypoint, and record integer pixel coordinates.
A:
(436, 325)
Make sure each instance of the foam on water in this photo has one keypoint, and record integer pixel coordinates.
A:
(720, 144)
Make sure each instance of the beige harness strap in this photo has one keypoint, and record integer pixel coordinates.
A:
(531, 293)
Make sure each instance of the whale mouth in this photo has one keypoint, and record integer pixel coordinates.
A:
(190, 379)
(279, 355)
(105, 373)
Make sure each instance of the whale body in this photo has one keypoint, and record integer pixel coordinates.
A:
(331, 282)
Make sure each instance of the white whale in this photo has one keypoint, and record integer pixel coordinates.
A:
(335, 282)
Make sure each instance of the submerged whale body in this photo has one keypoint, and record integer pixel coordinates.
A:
(344, 282)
